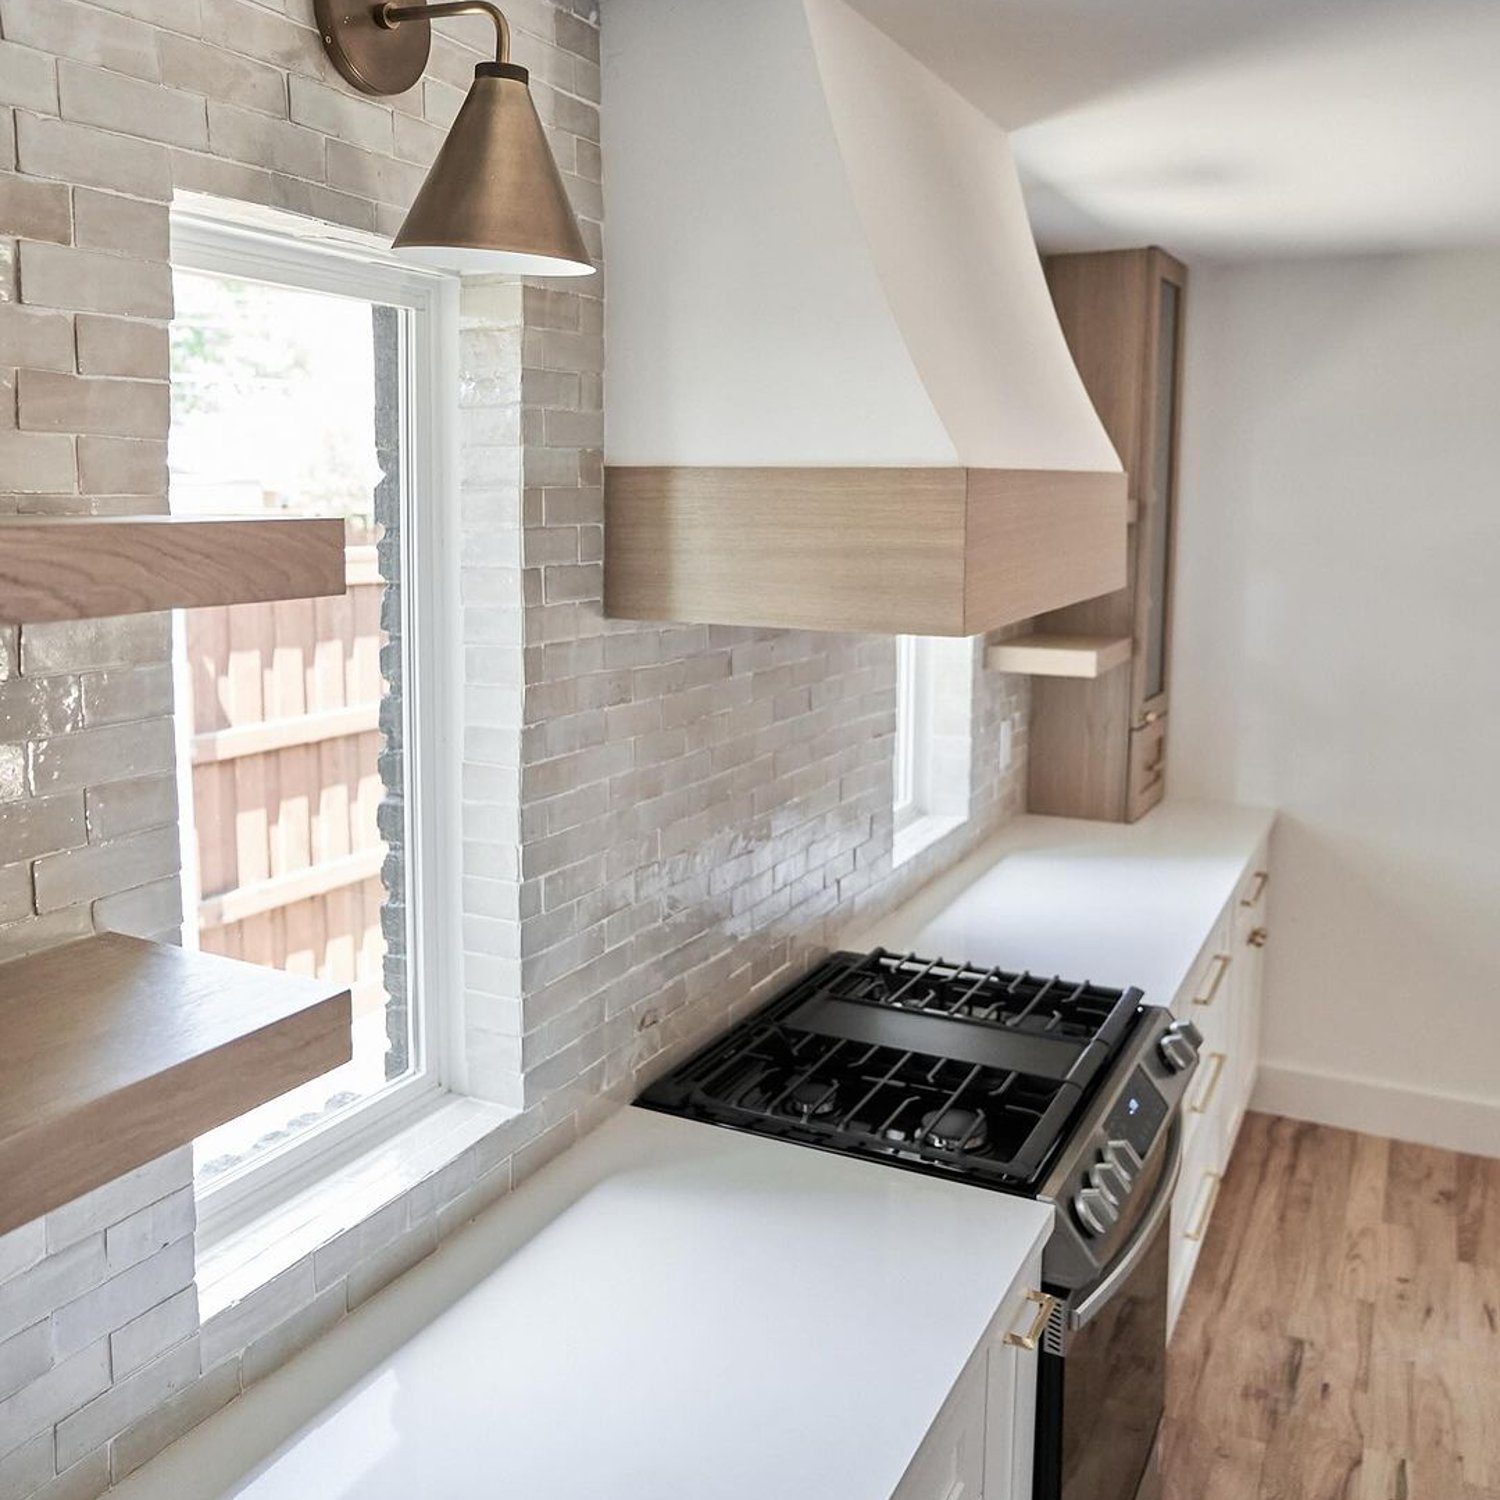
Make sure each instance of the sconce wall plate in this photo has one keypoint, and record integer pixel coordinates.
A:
(375, 58)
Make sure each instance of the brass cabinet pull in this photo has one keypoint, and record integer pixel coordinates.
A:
(1216, 1061)
(1045, 1303)
(1256, 937)
(1215, 1181)
(1221, 963)
(1262, 879)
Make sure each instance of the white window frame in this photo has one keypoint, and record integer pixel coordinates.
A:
(910, 799)
(924, 807)
(346, 266)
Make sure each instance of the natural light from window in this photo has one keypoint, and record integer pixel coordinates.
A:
(291, 400)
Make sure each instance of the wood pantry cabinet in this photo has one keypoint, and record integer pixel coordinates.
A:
(980, 1445)
(1098, 744)
(1222, 998)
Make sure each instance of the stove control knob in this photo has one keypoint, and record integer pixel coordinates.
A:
(1095, 1211)
(1110, 1179)
(1123, 1158)
(1179, 1047)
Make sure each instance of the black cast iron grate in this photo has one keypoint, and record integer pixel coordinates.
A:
(972, 1072)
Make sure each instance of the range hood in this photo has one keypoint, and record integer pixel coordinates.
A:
(838, 395)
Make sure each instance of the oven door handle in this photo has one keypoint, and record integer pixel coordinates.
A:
(1130, 1257)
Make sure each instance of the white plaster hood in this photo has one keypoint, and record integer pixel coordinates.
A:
(818, 254)
(839, 397)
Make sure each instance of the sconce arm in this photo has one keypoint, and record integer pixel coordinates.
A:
(391, 16)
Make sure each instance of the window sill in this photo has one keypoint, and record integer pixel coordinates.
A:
(919, 834)
(379, 1209)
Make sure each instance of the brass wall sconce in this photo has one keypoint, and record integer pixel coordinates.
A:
(494, 199)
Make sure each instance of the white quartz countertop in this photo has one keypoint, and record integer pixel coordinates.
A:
(1116, 903)
(670, 1311)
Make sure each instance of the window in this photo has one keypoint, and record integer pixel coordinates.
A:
(934, 700)
(304, 379)
(911, 743)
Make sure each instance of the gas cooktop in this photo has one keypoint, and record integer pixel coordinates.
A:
(965, 1071)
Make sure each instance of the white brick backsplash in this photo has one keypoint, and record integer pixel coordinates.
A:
(96, 1211)
(337, 113)
(131, 106)
(122, 466)
(40, 339)
(179, 1413)
(262, 1307)
(23, 1470)
(272, 1350)
(148, 911)
(57, 1278)
(150, 1229)
(24, 1357)
(116, 809)
(12, 772)
(115, 1302)
(122, 346)
(247, 136)
(52, 402)
(35, 210)
(188, 63)
(85, 32)
(112, 753)
(37, 463)
(48, 1400)
(126, 1401)
(86, 874)
(70, 152)
(86, 645)
(15, 900)
(156, 1330)
(85, 1480)
(28, 78)
(38, 825)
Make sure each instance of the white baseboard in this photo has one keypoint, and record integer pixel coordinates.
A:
(1453, 1122)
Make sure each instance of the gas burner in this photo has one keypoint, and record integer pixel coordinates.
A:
(957, 1130)
(811, 1101)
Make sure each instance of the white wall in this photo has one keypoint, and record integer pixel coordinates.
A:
(1337, 654)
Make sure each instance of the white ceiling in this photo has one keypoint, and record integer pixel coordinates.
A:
(1233, 128)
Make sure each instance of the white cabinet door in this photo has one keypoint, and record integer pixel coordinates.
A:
(1010, 1418)
(950, 1463)
(980, 1446)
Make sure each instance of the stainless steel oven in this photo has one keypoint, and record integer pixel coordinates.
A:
(1068, 1092)
(1102, 1376)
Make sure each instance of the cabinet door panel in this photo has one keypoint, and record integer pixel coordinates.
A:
(1148, 768)
(950, 1463)
(1010, 1417)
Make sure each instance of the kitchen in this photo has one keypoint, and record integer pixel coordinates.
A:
(1017, 718)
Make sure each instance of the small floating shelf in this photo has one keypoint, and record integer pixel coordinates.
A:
(83, 567)
(1060, 655)
(114, 1051)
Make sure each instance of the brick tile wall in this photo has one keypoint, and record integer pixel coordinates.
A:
(660, 823)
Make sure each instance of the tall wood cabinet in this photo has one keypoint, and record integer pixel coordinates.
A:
(1098, 743)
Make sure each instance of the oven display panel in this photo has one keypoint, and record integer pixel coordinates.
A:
(1138, 1114)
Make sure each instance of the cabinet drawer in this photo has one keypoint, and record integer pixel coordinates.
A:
(1148, 769)
(1209, 1104)
(1192, 1207)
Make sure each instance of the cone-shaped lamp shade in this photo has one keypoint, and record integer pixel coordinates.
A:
(494, 199)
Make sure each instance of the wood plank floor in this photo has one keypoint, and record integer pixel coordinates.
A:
(1341, 1340)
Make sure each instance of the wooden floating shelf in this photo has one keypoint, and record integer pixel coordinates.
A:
(114, 1051)
(1060, 655)
(83, 567)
